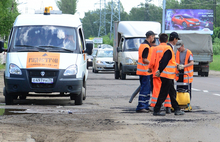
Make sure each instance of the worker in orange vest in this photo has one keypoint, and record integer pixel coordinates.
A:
(184, 58)
(153, 66)
(144, 56)
(167, 72)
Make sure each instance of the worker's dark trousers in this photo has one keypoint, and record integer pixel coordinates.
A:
(167, 87)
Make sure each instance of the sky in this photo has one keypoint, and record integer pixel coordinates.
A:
(29, 6)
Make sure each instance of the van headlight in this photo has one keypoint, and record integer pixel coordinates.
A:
(129, 61)
(71, 70)
(14, 69)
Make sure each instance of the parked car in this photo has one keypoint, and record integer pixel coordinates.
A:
(103, 61)
(90, 58)
(185, 21)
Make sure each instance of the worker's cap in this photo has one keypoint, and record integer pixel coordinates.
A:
(179, 43)
(174, 35)
(149, 33)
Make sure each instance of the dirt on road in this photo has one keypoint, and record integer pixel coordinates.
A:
(105, 116)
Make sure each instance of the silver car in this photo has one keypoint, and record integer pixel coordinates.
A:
(103, 61)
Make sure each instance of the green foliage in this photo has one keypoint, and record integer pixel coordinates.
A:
(8, 13)
(216, 46)
(147, 12)
(91, 20)
(215, 65)
(216, 33)
(107, 40)
(67, 6)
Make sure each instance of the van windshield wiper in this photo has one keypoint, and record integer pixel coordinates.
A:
(30, 49)
(60, 49)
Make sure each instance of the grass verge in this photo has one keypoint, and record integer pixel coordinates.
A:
(215, 65)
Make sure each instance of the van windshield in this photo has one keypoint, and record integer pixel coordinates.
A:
(132, 44)
(47, 38)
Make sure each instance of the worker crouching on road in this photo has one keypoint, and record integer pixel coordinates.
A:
(167, 74)
(144, 56)
(156, 56)
(184, 58)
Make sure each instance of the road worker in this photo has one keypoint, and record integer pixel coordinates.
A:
(174, 37)
(184, 58)
(153, 66)
(144, 56)
(167, 72)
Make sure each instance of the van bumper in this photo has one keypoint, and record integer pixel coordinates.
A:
(129, 69)
(23, 83)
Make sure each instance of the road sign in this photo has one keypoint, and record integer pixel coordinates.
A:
(98, 40)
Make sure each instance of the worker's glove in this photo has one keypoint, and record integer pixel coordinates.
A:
(180, 67)
(157, 73)
(149, 71)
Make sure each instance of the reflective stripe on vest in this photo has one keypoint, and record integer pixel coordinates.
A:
(187, 70)
(170, 70)
(142, 69)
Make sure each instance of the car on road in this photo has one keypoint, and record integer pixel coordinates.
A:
(185, 21)
(103, 61)
(105, 46)
(90, 58)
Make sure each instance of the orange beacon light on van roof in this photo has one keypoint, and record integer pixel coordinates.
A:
(47, 10)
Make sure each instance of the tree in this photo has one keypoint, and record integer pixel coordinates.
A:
(147, 12)
(8, 13)
(92, 19)
(67, 6)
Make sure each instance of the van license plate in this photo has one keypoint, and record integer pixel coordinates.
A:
(42, 80)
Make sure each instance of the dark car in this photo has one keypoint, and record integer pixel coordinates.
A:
(185, 21)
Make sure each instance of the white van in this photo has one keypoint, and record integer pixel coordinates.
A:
(128, 35)
(46, 54)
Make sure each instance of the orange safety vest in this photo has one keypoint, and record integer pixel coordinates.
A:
(156, 56)
(170, 70)
(142, 69)
(187, 70)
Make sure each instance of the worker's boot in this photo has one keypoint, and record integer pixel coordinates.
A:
(159, 113)
(168, 110)
(179, 112)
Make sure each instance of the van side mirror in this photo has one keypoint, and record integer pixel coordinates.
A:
(119, 50)
(2, 47)
(89, 48)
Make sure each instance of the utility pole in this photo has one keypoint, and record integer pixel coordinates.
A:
(102, 22)
(115, 14)
(214, 11)
(163, 18)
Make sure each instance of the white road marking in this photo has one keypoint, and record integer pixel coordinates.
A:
(205, 91)
(217, 95)
(195, 89)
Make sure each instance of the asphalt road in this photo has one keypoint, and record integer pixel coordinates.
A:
(106, 115)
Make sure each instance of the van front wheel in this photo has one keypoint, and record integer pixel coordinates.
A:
(8, 97)
(79, 98)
